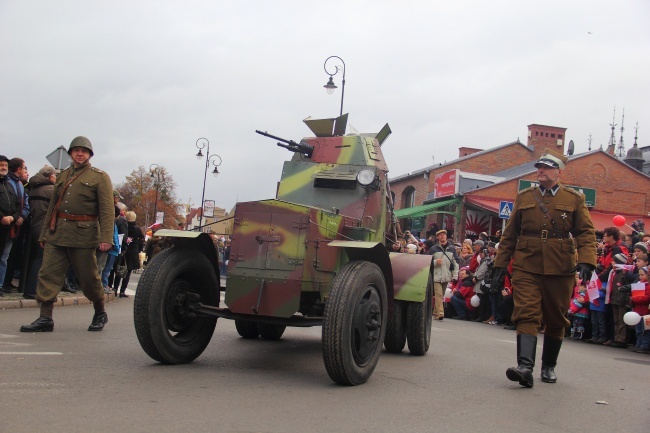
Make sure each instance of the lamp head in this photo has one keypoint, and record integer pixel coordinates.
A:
(330, 86)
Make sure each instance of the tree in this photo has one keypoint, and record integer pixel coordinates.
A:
(139, 192)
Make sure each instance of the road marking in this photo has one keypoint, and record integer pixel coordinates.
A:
(31, 353)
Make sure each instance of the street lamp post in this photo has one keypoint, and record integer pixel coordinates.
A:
(155, 204)
(210, 159)
(330, 86)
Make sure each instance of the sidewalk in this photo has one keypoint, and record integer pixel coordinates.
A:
(16, 300)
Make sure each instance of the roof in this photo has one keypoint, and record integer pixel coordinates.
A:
(464, 158)
(419, 211)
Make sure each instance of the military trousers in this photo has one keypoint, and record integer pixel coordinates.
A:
(541, 298)
(56, 260)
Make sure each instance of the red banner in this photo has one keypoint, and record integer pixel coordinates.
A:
(445, 184)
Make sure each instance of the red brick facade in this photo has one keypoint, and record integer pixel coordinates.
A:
(619, 188)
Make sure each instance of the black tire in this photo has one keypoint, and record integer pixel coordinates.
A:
(354, 323)
(419, 316)
(271, 332)
(396, 329)
(166, 331)
(247, 329)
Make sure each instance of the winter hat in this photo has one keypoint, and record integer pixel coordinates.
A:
(47, 171)
(620, 258)
(642, 246)
(479, 242)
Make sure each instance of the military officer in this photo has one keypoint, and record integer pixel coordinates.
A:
(78, 222)
(548, 224)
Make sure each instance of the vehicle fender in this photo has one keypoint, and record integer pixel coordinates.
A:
(374, 252)
(196, 241)
(410, 275)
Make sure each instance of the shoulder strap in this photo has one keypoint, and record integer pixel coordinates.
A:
(55, 210)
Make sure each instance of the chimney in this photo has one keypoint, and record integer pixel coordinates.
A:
(541, 137)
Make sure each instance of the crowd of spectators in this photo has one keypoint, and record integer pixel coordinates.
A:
(621, 280)
(24, 201)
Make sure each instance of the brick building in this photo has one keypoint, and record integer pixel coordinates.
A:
(464, 195)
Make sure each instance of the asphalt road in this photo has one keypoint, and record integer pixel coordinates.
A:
(73, 380)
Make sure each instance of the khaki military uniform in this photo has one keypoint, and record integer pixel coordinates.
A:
(545, 256)
(85, 219)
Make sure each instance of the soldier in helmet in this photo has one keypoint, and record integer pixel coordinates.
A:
(549, 230)
(78, 222)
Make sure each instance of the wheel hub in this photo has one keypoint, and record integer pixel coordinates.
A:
(366, 326)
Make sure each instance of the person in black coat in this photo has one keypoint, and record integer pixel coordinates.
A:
(131, 256)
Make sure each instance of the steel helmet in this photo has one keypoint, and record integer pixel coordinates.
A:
(81, 142)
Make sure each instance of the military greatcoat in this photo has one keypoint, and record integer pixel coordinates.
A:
(544, 250)
(85, 219)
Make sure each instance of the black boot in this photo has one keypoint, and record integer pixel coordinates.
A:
(99, 320)
(549, 358)
(526, 349)
(42, 324)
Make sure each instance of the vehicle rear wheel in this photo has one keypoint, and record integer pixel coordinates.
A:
(271, 332)
(396, 329)
(167, 331)
(354, 323)
(419, 316)
(247, 329)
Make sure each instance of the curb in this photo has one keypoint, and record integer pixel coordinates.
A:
(62, 301)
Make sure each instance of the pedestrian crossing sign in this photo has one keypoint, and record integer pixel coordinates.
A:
(505, 209)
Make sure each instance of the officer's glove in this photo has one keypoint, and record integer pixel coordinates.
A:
(498, 278)
(585, 270)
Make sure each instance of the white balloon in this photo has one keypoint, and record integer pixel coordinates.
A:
(631, 318)
(475, 301)
(448, 293)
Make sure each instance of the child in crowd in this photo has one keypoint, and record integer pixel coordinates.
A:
(639, 305)
(597, 311)
(462, 294)
(578, 309)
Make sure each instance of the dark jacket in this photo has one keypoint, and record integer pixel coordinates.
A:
(9, 200)
(134, 247)
(40, 193)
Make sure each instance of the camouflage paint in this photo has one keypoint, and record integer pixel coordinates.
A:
(286, 251)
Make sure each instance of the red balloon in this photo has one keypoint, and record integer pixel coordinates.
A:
(619, 220)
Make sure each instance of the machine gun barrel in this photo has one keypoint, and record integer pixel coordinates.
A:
(291, 145)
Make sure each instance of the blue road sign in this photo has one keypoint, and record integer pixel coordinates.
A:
(505, 209)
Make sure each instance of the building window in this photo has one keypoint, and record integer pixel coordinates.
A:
(536, 133)
(552, 135)
(408, 197)
(559, 136)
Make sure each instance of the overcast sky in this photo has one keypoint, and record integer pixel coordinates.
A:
(143, 80)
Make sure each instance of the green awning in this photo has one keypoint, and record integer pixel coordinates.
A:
(424, 210)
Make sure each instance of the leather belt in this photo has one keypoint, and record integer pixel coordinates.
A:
(545, 234)
(73, 217)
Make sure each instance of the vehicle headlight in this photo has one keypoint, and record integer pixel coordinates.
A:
(366, 177)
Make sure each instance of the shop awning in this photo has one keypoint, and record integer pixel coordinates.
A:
(424, 210)
(604, 219)
(488, 204)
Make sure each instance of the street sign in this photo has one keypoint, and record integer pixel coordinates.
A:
(589, 193)
(208, 208)
(505, 209)
(59, 158)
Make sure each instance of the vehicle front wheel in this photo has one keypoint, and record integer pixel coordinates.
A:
(354, 323)
(167, 331)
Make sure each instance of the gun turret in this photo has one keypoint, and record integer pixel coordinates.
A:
(303, 148)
